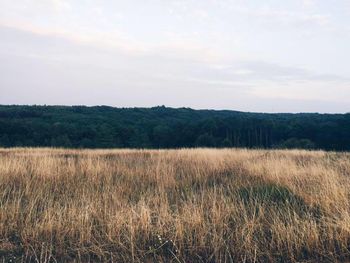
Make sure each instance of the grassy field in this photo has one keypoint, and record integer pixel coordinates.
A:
(191, 205)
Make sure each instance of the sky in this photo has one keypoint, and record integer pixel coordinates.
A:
(262, 56)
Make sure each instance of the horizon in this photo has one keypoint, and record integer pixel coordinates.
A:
(248, 56)
(168, 107)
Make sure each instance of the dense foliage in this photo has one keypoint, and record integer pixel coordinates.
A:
(162, 127)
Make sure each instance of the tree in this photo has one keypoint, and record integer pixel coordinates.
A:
(297, 143)
(61, 141)
(162, 136)
(205, 140)
(226, 143)
(163, 127)
(5, 141)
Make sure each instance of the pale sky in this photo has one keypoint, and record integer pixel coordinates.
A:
(266, 56)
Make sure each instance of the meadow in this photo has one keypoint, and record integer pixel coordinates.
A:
(186, 205)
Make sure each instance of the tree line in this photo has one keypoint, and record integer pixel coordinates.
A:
(163, 127)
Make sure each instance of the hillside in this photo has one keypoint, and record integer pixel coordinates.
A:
(162, 127)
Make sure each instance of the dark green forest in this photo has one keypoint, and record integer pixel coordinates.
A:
(163, 127)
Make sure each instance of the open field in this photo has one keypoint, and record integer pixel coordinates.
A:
(198, 205)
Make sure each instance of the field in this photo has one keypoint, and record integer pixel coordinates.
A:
(189, 205)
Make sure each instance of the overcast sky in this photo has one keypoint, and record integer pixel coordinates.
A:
(270, 56)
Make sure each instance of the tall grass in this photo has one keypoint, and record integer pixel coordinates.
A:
(190, 205)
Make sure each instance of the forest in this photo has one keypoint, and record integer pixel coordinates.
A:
(164, 127)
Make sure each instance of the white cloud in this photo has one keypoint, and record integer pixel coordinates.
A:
(308, 3)
(304, 90)
(243, 72)
(60, 5)
(286, 16)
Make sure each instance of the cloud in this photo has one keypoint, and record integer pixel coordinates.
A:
(108, 40)
(60, 5)
(286, 17)
(161, 68)
(176, 46)
(304, 90)
(308, 3)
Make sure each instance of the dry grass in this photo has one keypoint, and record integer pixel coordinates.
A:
(205, 205)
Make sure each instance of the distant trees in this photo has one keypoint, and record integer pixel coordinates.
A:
(161, 127)
(296, 143)
(226, 143)
(162, 136)
(205, 140)
(5, 141)
(61, 141)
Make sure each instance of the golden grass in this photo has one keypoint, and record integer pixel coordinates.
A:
(190, 205)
